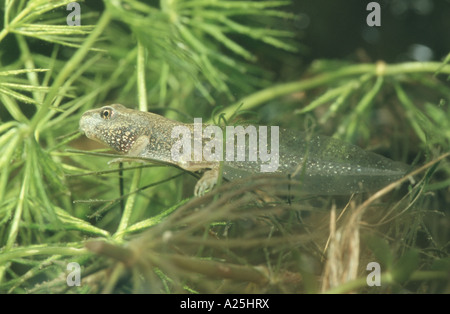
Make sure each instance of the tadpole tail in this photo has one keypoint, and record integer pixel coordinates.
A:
(325, 166)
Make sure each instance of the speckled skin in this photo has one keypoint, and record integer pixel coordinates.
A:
(132, 132)
(324, 165)
(142, 134)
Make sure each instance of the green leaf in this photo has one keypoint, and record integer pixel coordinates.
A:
(381, 250)
(405, 266)
(16, 95)
(442, 264)
(73, 223)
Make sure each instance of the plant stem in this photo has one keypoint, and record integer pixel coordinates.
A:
(260, 97)
(70, 66)
(22, 201)
(21, 252)
(128, 206)
(386, 279)
(142, 91)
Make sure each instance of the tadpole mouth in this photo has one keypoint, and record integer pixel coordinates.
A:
(82, 125)
(86, 126)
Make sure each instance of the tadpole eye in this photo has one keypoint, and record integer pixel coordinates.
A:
(106, 113)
